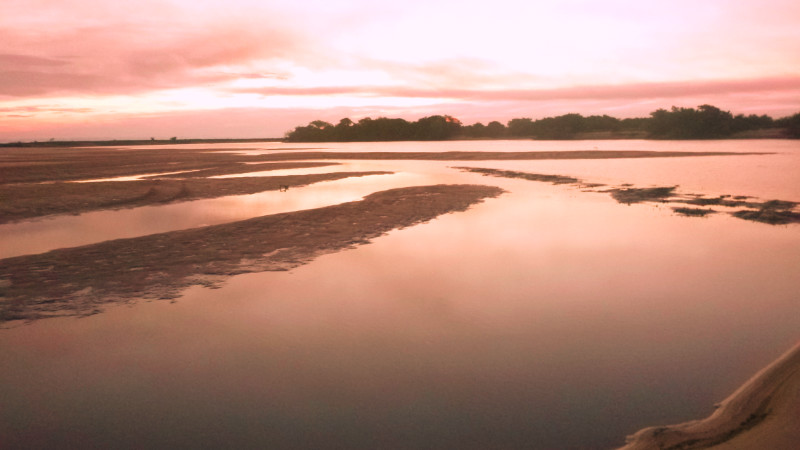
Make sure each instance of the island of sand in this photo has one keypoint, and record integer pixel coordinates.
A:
(81, 280)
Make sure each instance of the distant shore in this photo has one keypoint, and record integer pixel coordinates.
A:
(126, 142)
(771, 133)
(762, 413)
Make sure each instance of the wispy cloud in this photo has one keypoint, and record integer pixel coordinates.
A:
(607, 92)
(126, 59)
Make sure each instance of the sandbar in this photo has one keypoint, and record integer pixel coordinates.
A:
(492, 156)
(79, 281)
(30, 200)
(773, 212)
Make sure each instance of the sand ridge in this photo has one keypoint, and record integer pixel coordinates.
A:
(79, 281)
(763, 413)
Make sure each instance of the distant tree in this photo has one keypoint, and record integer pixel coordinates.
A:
(521, 127)
(705, 122)
(495, 129)
(344, 130)
(751, 122)
(320, 124)
(436, 128)
(714, 122)
(791, 124)
(560, 127)
(601, 123)
(634, 124)
(476, 130)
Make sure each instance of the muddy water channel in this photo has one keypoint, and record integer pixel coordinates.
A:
(551, 316)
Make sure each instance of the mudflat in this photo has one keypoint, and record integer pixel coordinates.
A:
(30, 200)
(489, 156)
(773, 212)
(80, 280)
(35, 182)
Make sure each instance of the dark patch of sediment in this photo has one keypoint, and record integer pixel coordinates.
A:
(554, 179)
(637, 195)
(773, 212)
(30, 200)
(79, 281)
(693, 212)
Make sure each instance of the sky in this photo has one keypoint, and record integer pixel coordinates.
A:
(101, 69)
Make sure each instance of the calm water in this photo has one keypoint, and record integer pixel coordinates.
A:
(545, 318)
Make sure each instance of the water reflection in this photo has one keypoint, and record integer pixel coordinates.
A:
(569, 326)
(129, 178)
(70, 231)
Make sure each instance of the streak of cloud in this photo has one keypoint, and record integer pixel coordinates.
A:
(628, 91)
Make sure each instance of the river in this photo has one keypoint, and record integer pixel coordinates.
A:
(548, 317)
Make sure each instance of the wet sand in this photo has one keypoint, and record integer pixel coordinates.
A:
(490, 156)
(762, 413)
(80, 281)
(26, 201)
(32, 180)
(773, 212)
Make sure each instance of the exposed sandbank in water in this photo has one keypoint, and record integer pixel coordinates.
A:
(78, 281)
(773, 212)
(22, 172)
(26, 201)
(762, 413)
(240, 168)
(492, 156)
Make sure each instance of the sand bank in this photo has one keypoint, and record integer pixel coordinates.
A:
(79, 281)
(762, 414)
(489, 156)
(30, 200)
(773, 212)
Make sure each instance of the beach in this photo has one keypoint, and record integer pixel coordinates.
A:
(763, 413)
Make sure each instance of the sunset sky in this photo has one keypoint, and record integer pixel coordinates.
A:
(100, 69)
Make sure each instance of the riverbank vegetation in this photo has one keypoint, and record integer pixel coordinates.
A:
(703, 122)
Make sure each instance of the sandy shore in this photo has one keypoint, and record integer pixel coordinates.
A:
(764, 413)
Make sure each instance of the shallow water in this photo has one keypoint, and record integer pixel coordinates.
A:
(545, 318)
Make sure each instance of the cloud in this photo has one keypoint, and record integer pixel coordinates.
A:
(27, 61)
(123, 59)
(32, 110)
(664, 90)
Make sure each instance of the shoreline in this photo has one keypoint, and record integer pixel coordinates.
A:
(773, 133)
(763, 413)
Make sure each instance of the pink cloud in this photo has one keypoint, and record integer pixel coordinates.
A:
(608, 92)
(27, 61)
(132, 58)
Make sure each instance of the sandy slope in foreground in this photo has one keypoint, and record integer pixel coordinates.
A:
(763, 413)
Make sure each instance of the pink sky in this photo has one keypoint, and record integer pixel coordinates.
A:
(97, 69)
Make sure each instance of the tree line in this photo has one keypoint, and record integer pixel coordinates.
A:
(703, 122)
